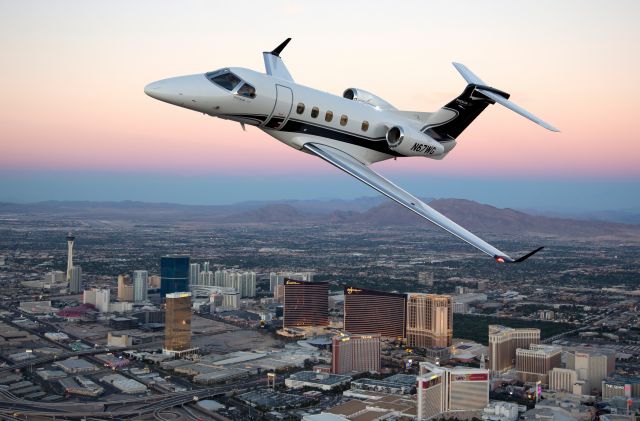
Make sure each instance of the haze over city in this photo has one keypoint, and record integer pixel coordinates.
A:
(158, 263)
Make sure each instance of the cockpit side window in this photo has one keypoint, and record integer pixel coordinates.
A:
(247, 90)
(224, 79)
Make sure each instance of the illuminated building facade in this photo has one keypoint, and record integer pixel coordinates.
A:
(503, 342)
(305, 303)
(449, 390)
(534, 364)
(355, 353)
(429, 320)
(125, 288)
(177, 331)
(367, 311)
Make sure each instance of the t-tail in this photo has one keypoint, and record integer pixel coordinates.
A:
(447, 123)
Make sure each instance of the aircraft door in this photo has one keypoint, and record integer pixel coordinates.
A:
(282, 108)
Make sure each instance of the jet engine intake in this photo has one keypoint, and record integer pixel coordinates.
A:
(360, 95)
(411, 142)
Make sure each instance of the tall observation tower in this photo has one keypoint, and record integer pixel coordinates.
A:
(70, 240)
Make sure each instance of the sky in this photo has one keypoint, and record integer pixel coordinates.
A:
(76, 125)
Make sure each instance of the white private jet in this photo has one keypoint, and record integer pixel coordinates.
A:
(350, 132)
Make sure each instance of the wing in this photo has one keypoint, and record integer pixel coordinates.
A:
(274, 64)
(355, 168)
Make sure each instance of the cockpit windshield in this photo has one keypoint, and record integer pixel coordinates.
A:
(229, 81)
(224, 78)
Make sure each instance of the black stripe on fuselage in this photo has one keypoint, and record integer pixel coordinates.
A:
(258, 117)
(377, 144)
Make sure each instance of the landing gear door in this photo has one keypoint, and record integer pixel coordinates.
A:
(282, 108)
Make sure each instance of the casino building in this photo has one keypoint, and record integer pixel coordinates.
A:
(305, 303)
(177, 333)
(355, 353)
(375, 312)
(451, 390)
(429, 320)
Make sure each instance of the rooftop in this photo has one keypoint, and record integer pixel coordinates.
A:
(320, 378)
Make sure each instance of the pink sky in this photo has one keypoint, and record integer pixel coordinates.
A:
(73, 76)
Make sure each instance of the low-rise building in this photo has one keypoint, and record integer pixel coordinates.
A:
(397, 384)
(621, 386)
(51, 374)
(322, 381)
(501, 411)
(56, 336)
(80, 385)
(122, 341)
(75, 365)
(385, 407)
(220, 375)
(124, 384)
(559, 409)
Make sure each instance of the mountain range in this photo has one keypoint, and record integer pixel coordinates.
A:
(375, 212)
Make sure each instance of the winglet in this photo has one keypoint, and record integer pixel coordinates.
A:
(274, 64)
(507, 259)
(276, 51)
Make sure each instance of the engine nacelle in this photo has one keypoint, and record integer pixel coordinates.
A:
(411, 142)
(365, 97)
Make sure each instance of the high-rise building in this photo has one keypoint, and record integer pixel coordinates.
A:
(448, 390)
(140, 285)
(174, 274)
(194, 271)
(247, 285)
(565, 380)
(355, 353)
(155, 281)
(429, 320)
(591, 366)
(177, 332)
(55, 277)
(503, 342)
(277, 278)
(243, 282)
(70, 240)
(278, 293)
(230, 298)
(367, 311)
(205, 267)
(534, 364)
(305, 303)
(125, 288)
(99, 297)
(75, 285)
(206, 278)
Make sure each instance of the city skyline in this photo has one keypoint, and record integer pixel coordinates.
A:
(157, 263)
(104, 111)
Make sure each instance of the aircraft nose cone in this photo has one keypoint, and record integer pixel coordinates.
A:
(154, 90)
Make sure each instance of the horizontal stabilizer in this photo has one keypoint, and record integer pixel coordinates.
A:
(491, 93)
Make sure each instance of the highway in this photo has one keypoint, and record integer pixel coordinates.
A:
(13, 407)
